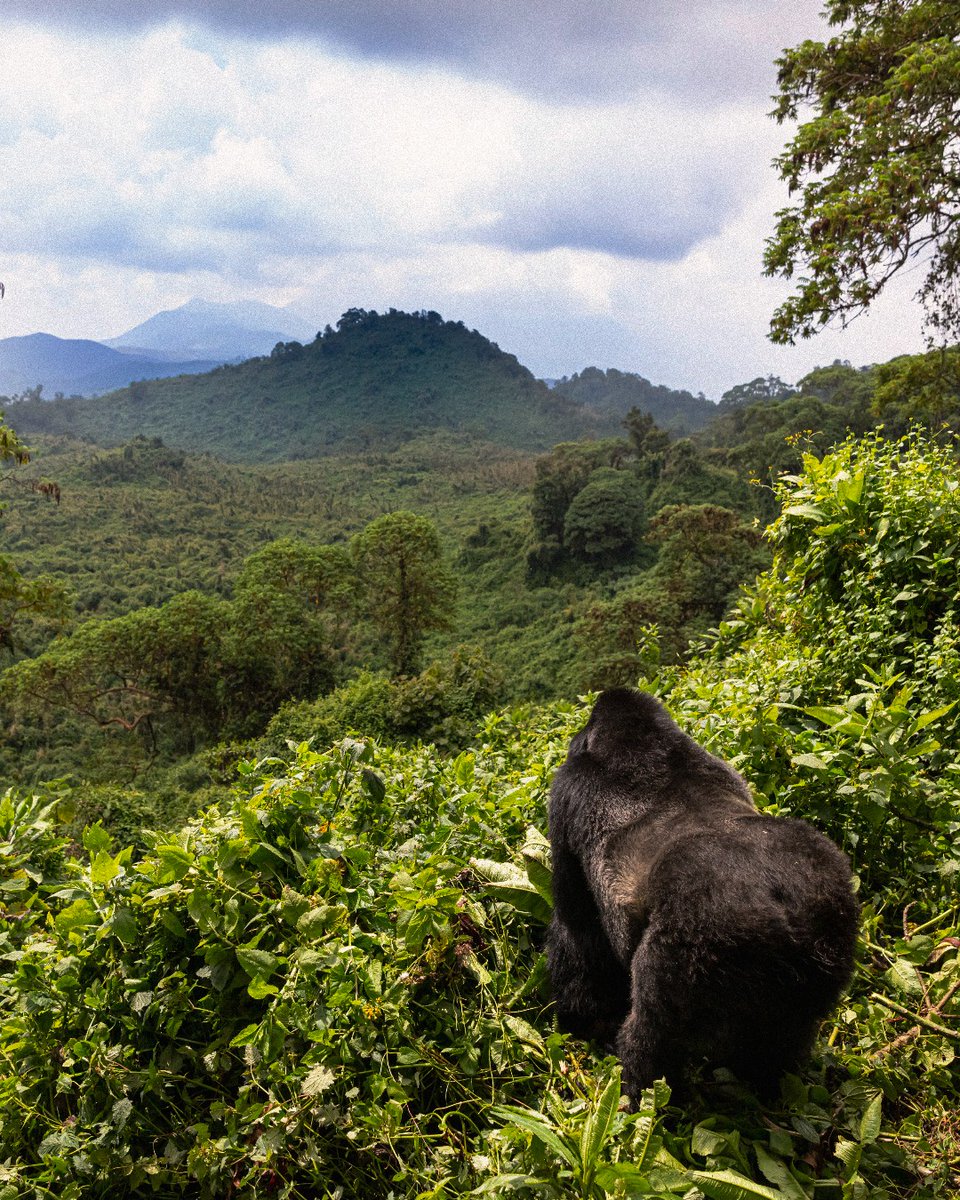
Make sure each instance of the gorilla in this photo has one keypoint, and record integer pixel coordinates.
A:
(687, 926)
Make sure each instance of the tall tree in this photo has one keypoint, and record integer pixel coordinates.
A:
(407, 587)
(877, 166)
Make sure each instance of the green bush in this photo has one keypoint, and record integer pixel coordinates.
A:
(444, 704)
(834, 686)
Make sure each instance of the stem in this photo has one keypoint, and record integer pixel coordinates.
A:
(953, 1034)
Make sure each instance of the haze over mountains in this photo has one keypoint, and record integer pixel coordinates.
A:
(191, 339)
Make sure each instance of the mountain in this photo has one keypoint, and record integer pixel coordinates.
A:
(614, 393)
(376, 380)
(77, 366)
(223, 332)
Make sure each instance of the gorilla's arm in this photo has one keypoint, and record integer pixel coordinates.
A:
(591, 989)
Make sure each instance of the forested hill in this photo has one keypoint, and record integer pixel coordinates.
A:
(377, 379)
(613, 393)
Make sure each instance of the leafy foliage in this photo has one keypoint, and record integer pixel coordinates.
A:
(196, 669)
(444, 705)
(842, 661)
(705, 553)
(875, 164)
(405, 585)
(605, 519)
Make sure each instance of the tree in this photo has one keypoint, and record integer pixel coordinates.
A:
(605, 518)
(877, 166)
(153, 671)
(407, 589)
(321, 580)
(705, 553)
(11, 448)
(42, 597)
(649, 443)
(560, 475)
(688, 478)
(919, 388)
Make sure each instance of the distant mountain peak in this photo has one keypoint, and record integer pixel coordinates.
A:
(225, 331)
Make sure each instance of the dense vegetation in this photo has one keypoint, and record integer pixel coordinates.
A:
(332, 982)
(308, 961)
(564, 565)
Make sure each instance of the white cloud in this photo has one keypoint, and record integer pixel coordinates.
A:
(290, 147)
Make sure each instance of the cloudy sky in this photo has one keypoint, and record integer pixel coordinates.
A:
(585, 183)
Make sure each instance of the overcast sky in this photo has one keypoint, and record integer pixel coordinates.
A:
(585, 183)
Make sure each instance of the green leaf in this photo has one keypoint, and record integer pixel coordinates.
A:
(480, 973)
(500, 1184)
(200, 909)
(75, 916)
(608, 1175)
(599, 1122)
(850, 1154)
(103, 868)
(870, 1122)
(509, 884)
(96, 838)
(322, 919)
(259, 989)
(123, 924)
(317, 1080)
(814, 761)
(929, 717)
(850, 491)
(729, 1185)
(246, 1036)
(777, 1172)
(536, 1124)
(808, 512)
(829, 716)
(175, 862)
(120, 1113)
(257, 962)
(903, 977)
(373, 785)
(524, 1031)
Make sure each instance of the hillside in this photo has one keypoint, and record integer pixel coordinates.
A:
(333, 980)
(613, 393)
(375, 380)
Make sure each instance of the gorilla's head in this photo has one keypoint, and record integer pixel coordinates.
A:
(626, 725)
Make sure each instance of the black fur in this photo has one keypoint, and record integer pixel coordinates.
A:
(687, 926)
